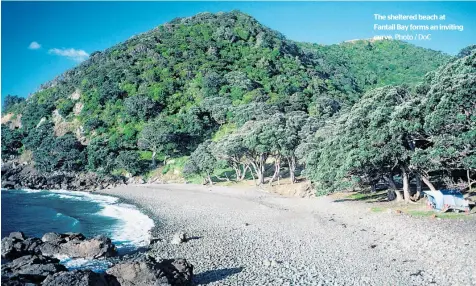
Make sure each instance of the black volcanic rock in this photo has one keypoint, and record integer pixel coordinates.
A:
(16, 245)
(148, 271)
(30, 269)
(74, 245)
(31, 263)
(77, 278)
(18, 176)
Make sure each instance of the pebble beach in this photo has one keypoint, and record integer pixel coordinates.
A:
(245, 236)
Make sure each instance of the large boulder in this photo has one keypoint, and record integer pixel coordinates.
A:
(52, 237)
(151, 272)
(50, 249)
(17, 235)
(16, 245)
(77, 278)
(30, 269)
(97, 247)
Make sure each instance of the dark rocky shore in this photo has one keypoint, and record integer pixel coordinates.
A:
(32, 261)
(20, 176)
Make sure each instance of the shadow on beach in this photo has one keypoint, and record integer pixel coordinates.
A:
(215, 275)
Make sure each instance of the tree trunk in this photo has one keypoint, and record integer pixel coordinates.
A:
(154, 153)
(393, 187)
(418, 186)
(406, 187)
(245, 169)
(209, 179)
(277, 166)
(260, 168)
(390, 181)
(263, 165)
(427, 182)
(292, 168)
(260, 177)
(259, 173)
(373, 188)
(470, 182)
(238, 172)
(399, 196)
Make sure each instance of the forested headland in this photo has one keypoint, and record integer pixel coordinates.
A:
(228, 97)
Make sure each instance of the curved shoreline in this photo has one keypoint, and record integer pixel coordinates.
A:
(126, 214)
(248, 237)
(142, 209)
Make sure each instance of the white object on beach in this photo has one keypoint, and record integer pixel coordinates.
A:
(179, 238)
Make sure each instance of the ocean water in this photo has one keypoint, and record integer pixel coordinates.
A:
(38, 212)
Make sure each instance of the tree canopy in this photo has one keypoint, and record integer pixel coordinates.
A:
(222, 89)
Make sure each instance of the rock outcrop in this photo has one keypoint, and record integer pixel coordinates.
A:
(17, 245)
(78, 278)
(31, 263)
(30, 269)
(151, 272)
(20, 176)
(74, 245)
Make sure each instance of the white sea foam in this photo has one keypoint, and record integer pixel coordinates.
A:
(82, 263)
(77, 198)
(84, 196)
(30, 190)
(75, 221)
(134, 226)
(131, 231)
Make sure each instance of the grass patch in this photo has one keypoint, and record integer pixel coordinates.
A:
(358, 196)
(447, 215)
(368, 196)
(377, 209)
(195, 179)
(421, 213)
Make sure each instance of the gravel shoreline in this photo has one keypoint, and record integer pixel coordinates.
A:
(250, 237)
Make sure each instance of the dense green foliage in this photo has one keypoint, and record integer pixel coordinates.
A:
(396, 130)
(231, 93)
(52, 153)
(371, 63)
(201, 162)
(11, 102)
(11, 141)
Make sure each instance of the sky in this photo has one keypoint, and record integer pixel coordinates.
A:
(41, 40)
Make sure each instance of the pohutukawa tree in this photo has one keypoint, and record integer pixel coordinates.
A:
(448, 112)
(299, 127)
(230, 149)
(361, 145)
(257, 148)
(158, 137)
(202, 162)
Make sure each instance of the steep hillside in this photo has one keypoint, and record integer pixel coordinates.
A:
(375, 63)
(183, 72)
(164, 92)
